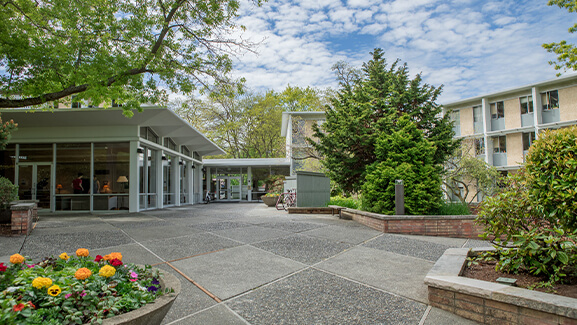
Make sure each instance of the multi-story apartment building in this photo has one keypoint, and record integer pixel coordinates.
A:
(501, 126)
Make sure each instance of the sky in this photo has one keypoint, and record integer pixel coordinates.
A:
(470, 47)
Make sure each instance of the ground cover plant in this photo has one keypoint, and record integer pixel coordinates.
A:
(347, 202)
(73, 289)
(532, 221)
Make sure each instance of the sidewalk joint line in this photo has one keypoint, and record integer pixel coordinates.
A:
(425, 315)
(215, 298)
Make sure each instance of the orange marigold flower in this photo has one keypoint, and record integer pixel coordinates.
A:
(82, 252)
(82, 273)
(114, 255)
(64, 256)
(17, 259)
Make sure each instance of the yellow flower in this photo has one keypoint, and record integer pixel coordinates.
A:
(82, 273)
(82, 252)
(54, 290)
(17, 259)
(41, 282)
(112, 256)
(107, 271)
(64, 256)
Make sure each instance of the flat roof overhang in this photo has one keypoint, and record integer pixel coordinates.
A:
(162, 120)
(247, 162)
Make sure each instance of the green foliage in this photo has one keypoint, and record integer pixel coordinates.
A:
(275, 184)
(6, 130)
(406, 155)
(551, 166)
(367, 108)
(128, 51)
(347, 202)
(466, 176)
(453, 209)
(532, 220)
(566, 53)
(8, 192)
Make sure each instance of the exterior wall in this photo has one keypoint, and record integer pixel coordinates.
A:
(568, 103)
(514, 149)
(512, 114)
(466, 121)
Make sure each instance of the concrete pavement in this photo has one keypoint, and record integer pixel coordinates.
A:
(257, 265)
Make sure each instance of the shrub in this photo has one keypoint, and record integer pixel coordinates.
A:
(275, 184)
(453, 209)
(8, 192)
(405, 155)
(347, 202)
(532, 220)
(551, 166)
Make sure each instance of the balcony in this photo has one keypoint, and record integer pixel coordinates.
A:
(500, 159)
(527, 119)
(551, 116)
(497, 124)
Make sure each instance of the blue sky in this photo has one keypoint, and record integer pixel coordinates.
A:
(471, 47)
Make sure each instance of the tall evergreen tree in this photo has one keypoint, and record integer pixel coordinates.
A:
(371, 107)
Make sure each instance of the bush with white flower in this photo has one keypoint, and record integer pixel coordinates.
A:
(73, 290)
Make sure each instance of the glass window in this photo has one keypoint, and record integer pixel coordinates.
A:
(35, 153)
(73, 176)
(526, 104)
(497, 110)
(479, 146)
(111, 168)
(528, 139)
(185, 151)
(477, 114)
(169, 144)
(8, 162)
(148, 134)
(500, 144)
(550, 100)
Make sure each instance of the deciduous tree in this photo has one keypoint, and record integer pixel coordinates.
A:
(566, 53)
(132, 52)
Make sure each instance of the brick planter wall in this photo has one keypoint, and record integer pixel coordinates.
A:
(22, 216)
(447, 226)
(492, 303)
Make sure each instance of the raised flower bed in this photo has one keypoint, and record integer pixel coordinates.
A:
(82, 289)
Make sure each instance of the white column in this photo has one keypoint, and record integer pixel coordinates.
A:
(486, 113)
(133, 180)
(249, 183)
(537, 110)
(159, 181)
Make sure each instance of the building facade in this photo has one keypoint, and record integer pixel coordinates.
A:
(93, 159)
(500, 127)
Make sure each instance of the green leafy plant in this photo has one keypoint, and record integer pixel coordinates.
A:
(347, 202)
(73, 290)
(453, 209)
(275, 184)
(532, 220)
(8, 192)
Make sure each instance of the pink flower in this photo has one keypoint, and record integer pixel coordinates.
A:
(133, 274)
(132, 280)
(68, 295)
(30, 266)
(83, 293)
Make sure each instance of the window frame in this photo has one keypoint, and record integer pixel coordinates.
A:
(529, 109)
(546, 104)
(499, 110)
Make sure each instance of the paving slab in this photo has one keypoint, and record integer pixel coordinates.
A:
(131, 253)
(292, 226)
(142, 234)
(440, 317)
(305, 249)
(398, 274)
(406, 245)
(190, 300)
(235, 270)
(180, 247)
(219, 314)
(10, 245)
(352, 235)
(43, 245)
(252, 234)
(220, 225)
(315, 297)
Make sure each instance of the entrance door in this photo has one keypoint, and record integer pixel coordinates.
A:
(34, 183)
(234, 188)
(222, 188)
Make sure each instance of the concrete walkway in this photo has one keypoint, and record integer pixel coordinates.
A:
(261, 266)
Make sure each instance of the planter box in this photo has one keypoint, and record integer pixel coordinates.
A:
(270, 201)
(492, 303)
(154, 312)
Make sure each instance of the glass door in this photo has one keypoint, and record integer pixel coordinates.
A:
(234, 188)
(223, 190)
(34, 183)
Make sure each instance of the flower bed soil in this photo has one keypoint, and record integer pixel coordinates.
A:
(486, 271)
